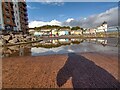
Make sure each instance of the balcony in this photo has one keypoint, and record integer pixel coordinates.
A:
(11, 4)
(26, 23)
(12, 12)
(25, 9)
(24, 3)
(26, 18)
(9, 21)
(22, 11)
(25, 14)
(13, 18)
(7, 14)
(6, 7)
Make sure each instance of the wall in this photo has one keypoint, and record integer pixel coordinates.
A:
(1, 16)
(61, 33)
(16, 15)
(102, 28)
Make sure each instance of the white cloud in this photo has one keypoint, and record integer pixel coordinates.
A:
(31, 7)
(111, 16)
(85, 18)
(54, 3)
(69, 20)
(45, 1)
(51, 2)
(42, 23)
(73, 0)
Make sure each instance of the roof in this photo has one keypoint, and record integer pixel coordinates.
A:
(45, 29)
(104, 22)
(65, 30)
(31, 28)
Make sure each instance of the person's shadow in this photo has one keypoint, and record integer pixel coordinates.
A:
(85, 74)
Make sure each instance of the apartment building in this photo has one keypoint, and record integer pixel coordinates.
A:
(13, 15)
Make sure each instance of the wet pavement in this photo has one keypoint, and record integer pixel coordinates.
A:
(106, 45)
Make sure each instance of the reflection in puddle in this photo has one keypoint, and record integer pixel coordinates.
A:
(21, 51)
(98, 41)
(57, 46)
(17, 50)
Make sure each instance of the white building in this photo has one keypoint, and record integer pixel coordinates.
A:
(63, 32)
(102, 28)
(38, 33)
(1, 16)
(87, 31)
(16, 14)
(76, 32)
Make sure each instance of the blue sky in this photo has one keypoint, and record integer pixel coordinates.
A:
(46, 12)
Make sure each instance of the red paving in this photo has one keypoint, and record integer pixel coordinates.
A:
(61, 71)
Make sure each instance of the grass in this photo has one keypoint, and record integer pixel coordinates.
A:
(51, 45)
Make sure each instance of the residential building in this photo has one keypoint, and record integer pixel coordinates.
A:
(87, 31)
(92, 31)
(102, 28)
(31, 30)
(76, 32)
(63, 32)
(1, 16)
(46, 32)
(13, 15)
(54, 32)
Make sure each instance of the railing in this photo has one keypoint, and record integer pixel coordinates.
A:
(113, 29)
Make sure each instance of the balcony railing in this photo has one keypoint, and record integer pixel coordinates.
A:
(25, 14)
(13, 18)
(26, 18)
(26, 23)
(7, 14)
(11, 3)
(6, 6)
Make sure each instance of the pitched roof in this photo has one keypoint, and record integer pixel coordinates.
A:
(104, 22)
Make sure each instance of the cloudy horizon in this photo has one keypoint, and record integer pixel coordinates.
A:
(110, 15)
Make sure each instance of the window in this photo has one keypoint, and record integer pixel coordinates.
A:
(8, 20)
(7, 12)
(17, 23)
(6, 4)
(15, 5)
(0, 21)
(0, 26)
(17, 17)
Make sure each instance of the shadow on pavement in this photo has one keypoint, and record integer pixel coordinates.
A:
(85, 74)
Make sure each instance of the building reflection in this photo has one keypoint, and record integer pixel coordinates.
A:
(25, 50)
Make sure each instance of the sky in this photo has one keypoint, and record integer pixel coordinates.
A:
(83, 14)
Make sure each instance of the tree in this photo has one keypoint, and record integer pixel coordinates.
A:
(65, 27)
(36, 28)
(75, 28)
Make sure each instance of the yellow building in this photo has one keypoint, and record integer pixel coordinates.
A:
(76, 32)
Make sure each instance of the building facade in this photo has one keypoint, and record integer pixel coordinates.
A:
(13, 15)
(102, 28)
(64, 32)
(76, 32)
